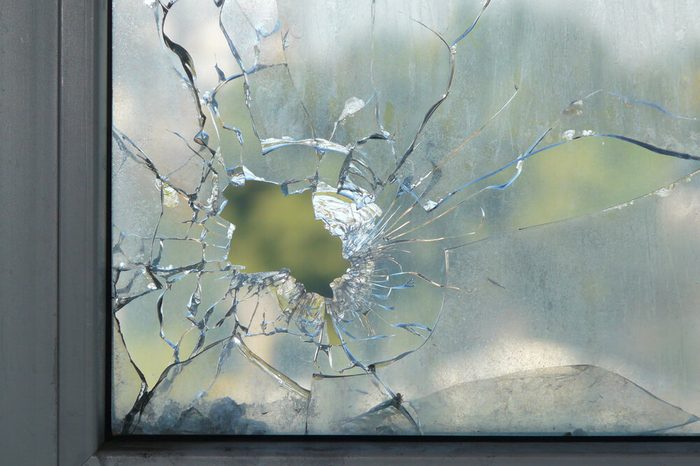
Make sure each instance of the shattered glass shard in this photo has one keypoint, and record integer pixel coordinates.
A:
(544, 401)
(511, 190)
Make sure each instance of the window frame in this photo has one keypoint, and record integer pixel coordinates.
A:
(57, 378)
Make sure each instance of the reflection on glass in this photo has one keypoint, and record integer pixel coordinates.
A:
(385, 217)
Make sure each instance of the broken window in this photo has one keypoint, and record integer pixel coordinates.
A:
(511, 191)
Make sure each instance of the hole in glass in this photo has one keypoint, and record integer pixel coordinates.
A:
(274, 231)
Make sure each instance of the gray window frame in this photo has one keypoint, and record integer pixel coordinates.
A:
(53, 284)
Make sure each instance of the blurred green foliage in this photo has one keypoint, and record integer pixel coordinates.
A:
(274, 231)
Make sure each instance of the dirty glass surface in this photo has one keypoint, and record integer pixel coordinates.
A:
(512, 187)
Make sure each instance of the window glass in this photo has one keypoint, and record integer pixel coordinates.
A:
(405, 217)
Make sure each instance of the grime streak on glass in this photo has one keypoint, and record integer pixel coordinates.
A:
(512, 187)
